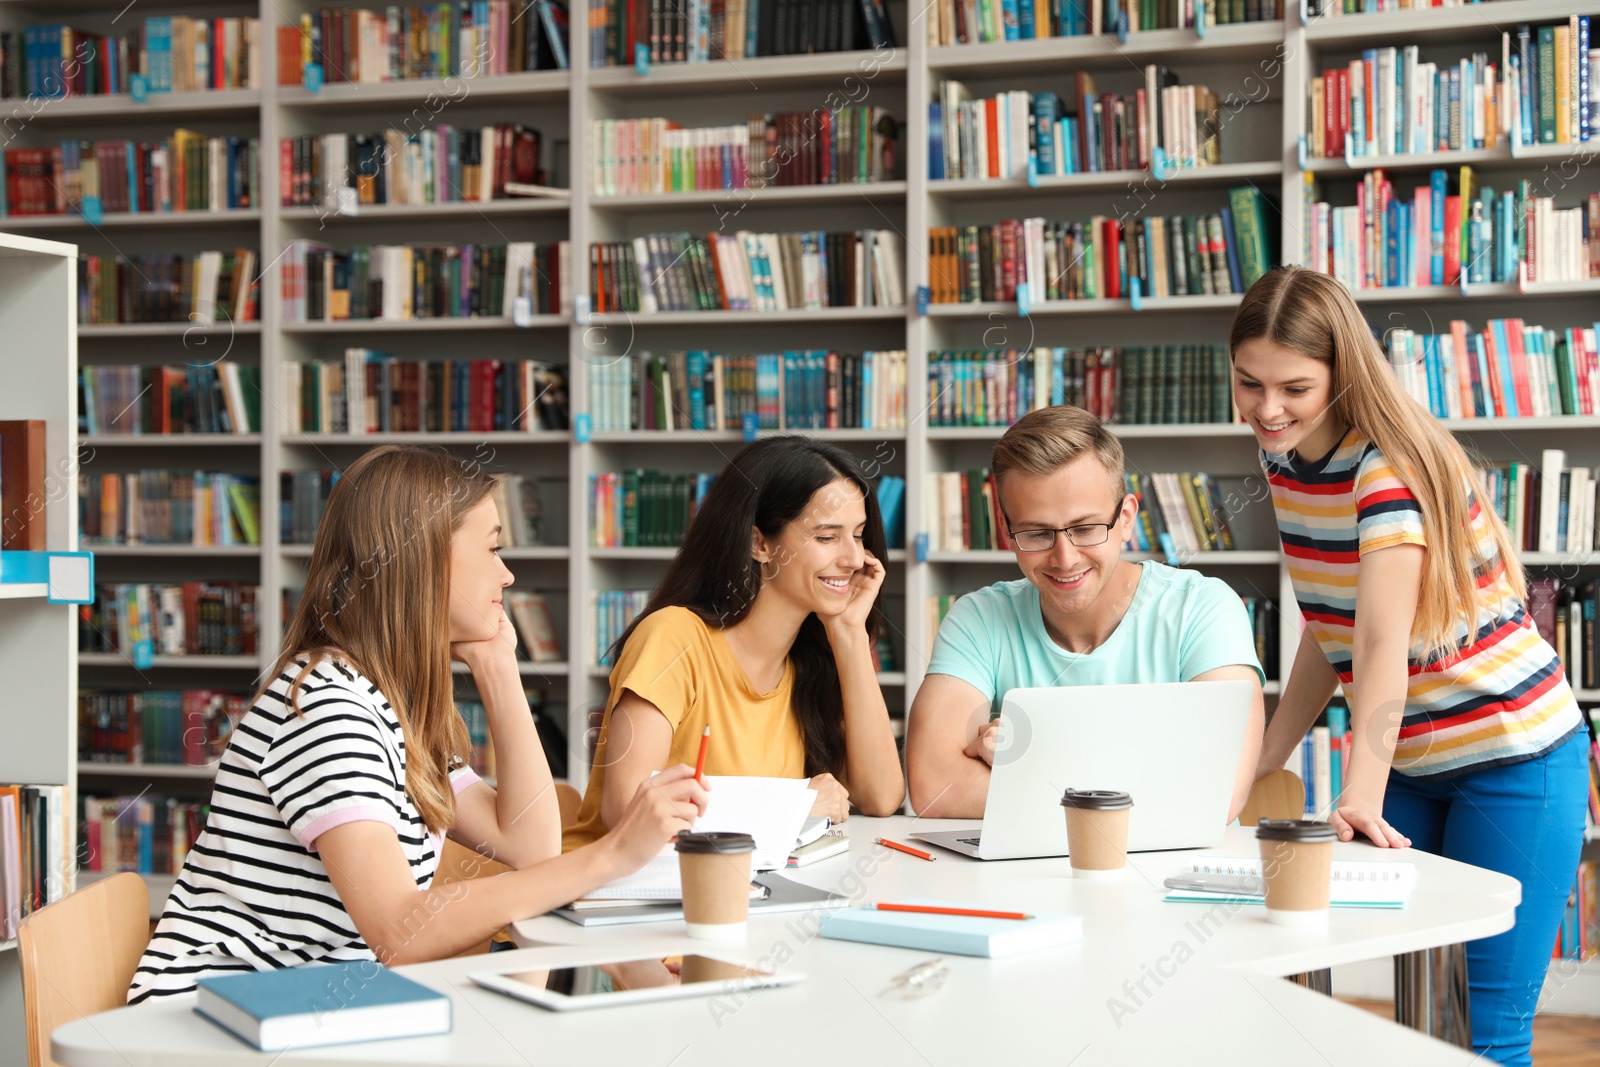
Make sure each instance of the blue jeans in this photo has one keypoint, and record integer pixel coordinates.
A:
(1524, 820)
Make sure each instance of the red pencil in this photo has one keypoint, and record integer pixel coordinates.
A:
(928, 909)
(907, 849)
(700, 763)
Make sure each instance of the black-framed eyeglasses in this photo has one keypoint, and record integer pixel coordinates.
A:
(1083, 535)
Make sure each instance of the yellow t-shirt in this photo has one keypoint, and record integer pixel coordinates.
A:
(687, 669)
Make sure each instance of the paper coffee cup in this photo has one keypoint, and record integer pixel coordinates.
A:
(1097, 831)
(1297, 867)
(715, 870)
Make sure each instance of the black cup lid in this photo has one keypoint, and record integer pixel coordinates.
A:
(1096, 800)
(717, 844)
(1302, 830)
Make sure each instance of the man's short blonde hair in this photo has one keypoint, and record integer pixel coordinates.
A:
(1044, 441)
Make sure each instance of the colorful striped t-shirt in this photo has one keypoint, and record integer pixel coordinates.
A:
(1501, 697)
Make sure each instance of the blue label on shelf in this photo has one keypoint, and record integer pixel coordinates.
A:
(923, 296)
(922, 548)
(1022, 299)
(1122, 27)
(582, 425)
(1158, 163)
(1301, 153)
(138, 87)
(91, 210)
(1136, 294)
(1169, 548)
(1033, 172)
(1200, 19)
(313, 78)
(641, 58)
(144, 654)
(749, 425)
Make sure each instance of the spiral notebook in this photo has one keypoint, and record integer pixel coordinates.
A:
(1354, 884)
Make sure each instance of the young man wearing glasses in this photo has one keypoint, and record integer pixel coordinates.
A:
(1082, 615)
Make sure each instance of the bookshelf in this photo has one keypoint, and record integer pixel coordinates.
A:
(38, 640)
(1267, 64)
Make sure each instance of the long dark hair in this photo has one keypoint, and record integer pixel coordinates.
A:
(766, 487)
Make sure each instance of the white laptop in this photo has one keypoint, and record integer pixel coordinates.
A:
(1173, 746)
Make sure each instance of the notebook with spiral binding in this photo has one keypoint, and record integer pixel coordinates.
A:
(1354, 884)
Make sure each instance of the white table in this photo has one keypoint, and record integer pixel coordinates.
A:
(1151, 982)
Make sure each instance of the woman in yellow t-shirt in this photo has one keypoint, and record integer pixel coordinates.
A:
(765, 628)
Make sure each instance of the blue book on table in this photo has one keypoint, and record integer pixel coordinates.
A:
(960, 935)
(322, 1004)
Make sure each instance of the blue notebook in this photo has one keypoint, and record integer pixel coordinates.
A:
(322, 1004)
(959, 935)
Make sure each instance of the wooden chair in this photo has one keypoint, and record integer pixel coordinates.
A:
(78, 956)
(1279, 795)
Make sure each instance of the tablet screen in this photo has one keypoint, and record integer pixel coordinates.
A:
(597, 979)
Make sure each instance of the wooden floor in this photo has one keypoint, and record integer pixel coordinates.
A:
(1558, 1040)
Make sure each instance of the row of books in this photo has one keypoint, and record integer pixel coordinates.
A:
(438, 165)
(168, 53)
(1564, 613)
(951, 22)
(631, 157)
(426, 281)
(1019, 133)
(702, 31)
(1170, 384)
(130, 399)
(169, 727)
(1507, 369)
(187, 172)
(517, 502)
(1554, 87)
(1438, 237)
(748, 271)
(1263, 616)
(530, 614)
(188, 619)
(303, 497)
(1034, 261)
(170, 507)
(1324, 758)
(1579, 936)
(372, 392)
(403, 43)
(36, 855)
(643, 508)
(611, 612)
(142, 833)
(204, 289)
(546, 723)
(1324, 9)
(796, 390)
(1548, 507)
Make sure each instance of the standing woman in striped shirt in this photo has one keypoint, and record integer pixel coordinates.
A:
(339, 784)
(1467, 741)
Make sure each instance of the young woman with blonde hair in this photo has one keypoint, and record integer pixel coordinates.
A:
(338, 786)
(1467, 741)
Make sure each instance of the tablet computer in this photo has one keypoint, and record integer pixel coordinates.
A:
(629, 980)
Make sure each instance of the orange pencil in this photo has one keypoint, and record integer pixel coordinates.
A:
(907, 849)
(929, 909)
(700, 762)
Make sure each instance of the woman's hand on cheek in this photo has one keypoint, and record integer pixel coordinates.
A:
(864, 587)
(499, 650)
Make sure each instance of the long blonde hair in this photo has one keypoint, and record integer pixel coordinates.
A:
(1314, 315)
(378, 591)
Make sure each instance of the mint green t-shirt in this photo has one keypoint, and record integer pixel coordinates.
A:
(1180, 625)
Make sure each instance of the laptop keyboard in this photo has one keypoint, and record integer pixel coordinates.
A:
(973, 841)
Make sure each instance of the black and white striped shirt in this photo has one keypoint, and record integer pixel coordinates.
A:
(253, 894)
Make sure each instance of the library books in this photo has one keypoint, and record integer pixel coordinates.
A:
(1033, 261)
(188, 619)
(530, 614)
(631, 157)
(169, 53)
(1579, 936)
(629, 509)
(225, 398)
(1017, 132)
(611, 612)
(1507, 369)
(170, 507)
(953, 22)
(1548, 507)
(795, 390)
(22, 485)
(1325, 759)
(372, 392)
(439, 165)
(400, 43)
(430, 281)
(1179, 514)
(516, 501)
(145, 834)
(963, 512)
(702, 31)
(186, 172)
(747, 271)
(204, 289)
(1181, 384)
(1564, 614)
(552, 738)
(170, 727)
(36, 859)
